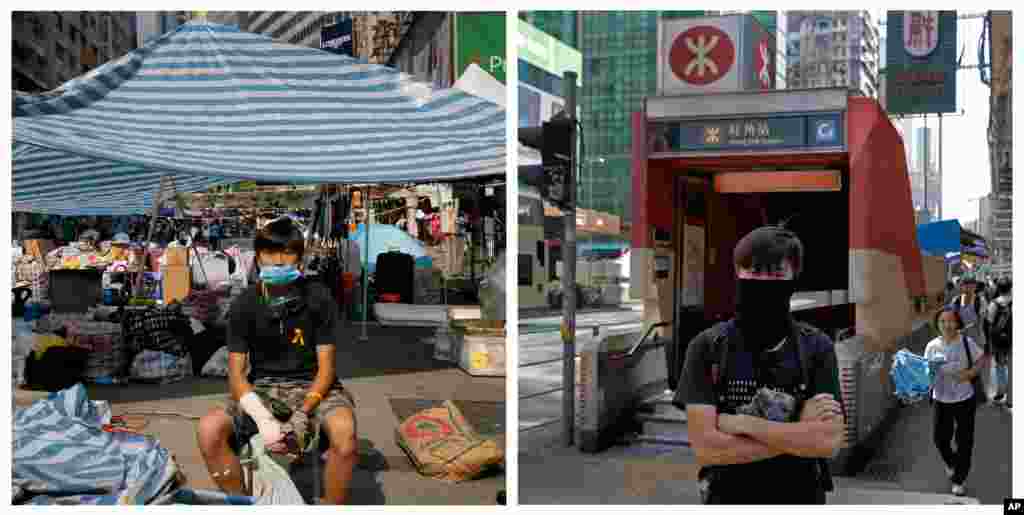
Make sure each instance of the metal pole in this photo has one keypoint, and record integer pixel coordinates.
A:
(940, 167)
(366, 271)
(569, 278)
(149, 236)
(925, 159)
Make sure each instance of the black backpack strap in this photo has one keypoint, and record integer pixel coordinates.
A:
(967, 349)
(802, 355)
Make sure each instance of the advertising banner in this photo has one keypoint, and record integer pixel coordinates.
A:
(480, 39)
(921, 55)
(337, 38)
(547, 53)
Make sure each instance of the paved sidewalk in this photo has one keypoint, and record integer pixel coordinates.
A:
(394, 364)
(646, 474)
(907, 456)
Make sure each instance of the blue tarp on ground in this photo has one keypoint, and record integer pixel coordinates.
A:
(939, 238)
(209, 104)
(61, 455)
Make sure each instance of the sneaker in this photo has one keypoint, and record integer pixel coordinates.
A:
(999, 399)
(959, 490)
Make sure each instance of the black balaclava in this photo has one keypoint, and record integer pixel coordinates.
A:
(775, 255)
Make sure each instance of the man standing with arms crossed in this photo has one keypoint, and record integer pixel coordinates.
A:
(760, 391)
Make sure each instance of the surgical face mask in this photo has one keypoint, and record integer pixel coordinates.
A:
(279, 275)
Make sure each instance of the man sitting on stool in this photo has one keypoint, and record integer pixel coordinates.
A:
(284, 328)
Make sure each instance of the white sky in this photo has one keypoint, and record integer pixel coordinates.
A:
(965, 162)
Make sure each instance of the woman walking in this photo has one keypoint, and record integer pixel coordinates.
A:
(955, 398)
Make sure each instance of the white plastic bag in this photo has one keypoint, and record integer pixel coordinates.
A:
(271, 484)
(492, 292)
(150, 365)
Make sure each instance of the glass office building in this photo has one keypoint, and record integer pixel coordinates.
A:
(619, 69)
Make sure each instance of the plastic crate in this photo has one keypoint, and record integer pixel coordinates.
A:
(480, 346)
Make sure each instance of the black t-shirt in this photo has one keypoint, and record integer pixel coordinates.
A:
(782, 479)
(283, 346)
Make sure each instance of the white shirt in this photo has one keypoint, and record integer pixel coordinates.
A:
(947, 389)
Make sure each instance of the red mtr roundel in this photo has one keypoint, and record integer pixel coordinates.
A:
(702, 55)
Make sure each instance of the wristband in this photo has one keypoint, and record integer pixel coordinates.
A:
(317, 396)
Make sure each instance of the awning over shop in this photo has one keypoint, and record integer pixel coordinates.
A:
(947, 238)
(939, 238)
(208, 104)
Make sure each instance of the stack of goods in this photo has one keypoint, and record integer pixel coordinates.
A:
(159, 338)
(106, 358)
(31, 271)
(205, 305)
(53, 362)
(109, 357)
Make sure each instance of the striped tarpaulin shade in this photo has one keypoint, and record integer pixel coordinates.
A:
(208, 104)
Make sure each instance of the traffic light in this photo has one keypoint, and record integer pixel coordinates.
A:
(555, 139)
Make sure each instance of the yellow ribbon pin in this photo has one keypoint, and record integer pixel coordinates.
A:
(298, 338)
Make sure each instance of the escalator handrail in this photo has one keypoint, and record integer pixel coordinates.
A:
(646, 335)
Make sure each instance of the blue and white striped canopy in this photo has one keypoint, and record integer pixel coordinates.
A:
(209, 104)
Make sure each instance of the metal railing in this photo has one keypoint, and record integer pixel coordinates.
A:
(561, 359)
(647, 334)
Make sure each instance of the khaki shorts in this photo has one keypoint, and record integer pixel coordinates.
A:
(282, 397)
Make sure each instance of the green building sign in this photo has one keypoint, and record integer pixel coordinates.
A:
(548, 53)
(480, 39)
(921, 55)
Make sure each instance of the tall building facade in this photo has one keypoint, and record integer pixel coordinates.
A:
(619, 69)
(1000, 137)
(827, 49)
(52, 47)
(924, 163)
(153, 24)
(375, 34)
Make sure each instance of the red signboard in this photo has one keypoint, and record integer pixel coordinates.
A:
(701, 55)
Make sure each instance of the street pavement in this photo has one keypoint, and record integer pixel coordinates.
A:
(550, 473)
(393, 366)
(906, 469)
(540, 342)
(907, 457)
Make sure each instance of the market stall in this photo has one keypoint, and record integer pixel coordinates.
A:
(190, 111)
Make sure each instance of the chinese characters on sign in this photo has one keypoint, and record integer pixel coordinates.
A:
(820, 131)
(921, 31)
(751, 133)
(920, 72)
(917, 83)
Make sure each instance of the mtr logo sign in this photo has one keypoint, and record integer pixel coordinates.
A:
(702, 55)
(714, 54)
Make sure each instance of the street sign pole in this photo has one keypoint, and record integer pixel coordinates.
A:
(569, 274)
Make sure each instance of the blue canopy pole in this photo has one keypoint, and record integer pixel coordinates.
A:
(366, 270)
